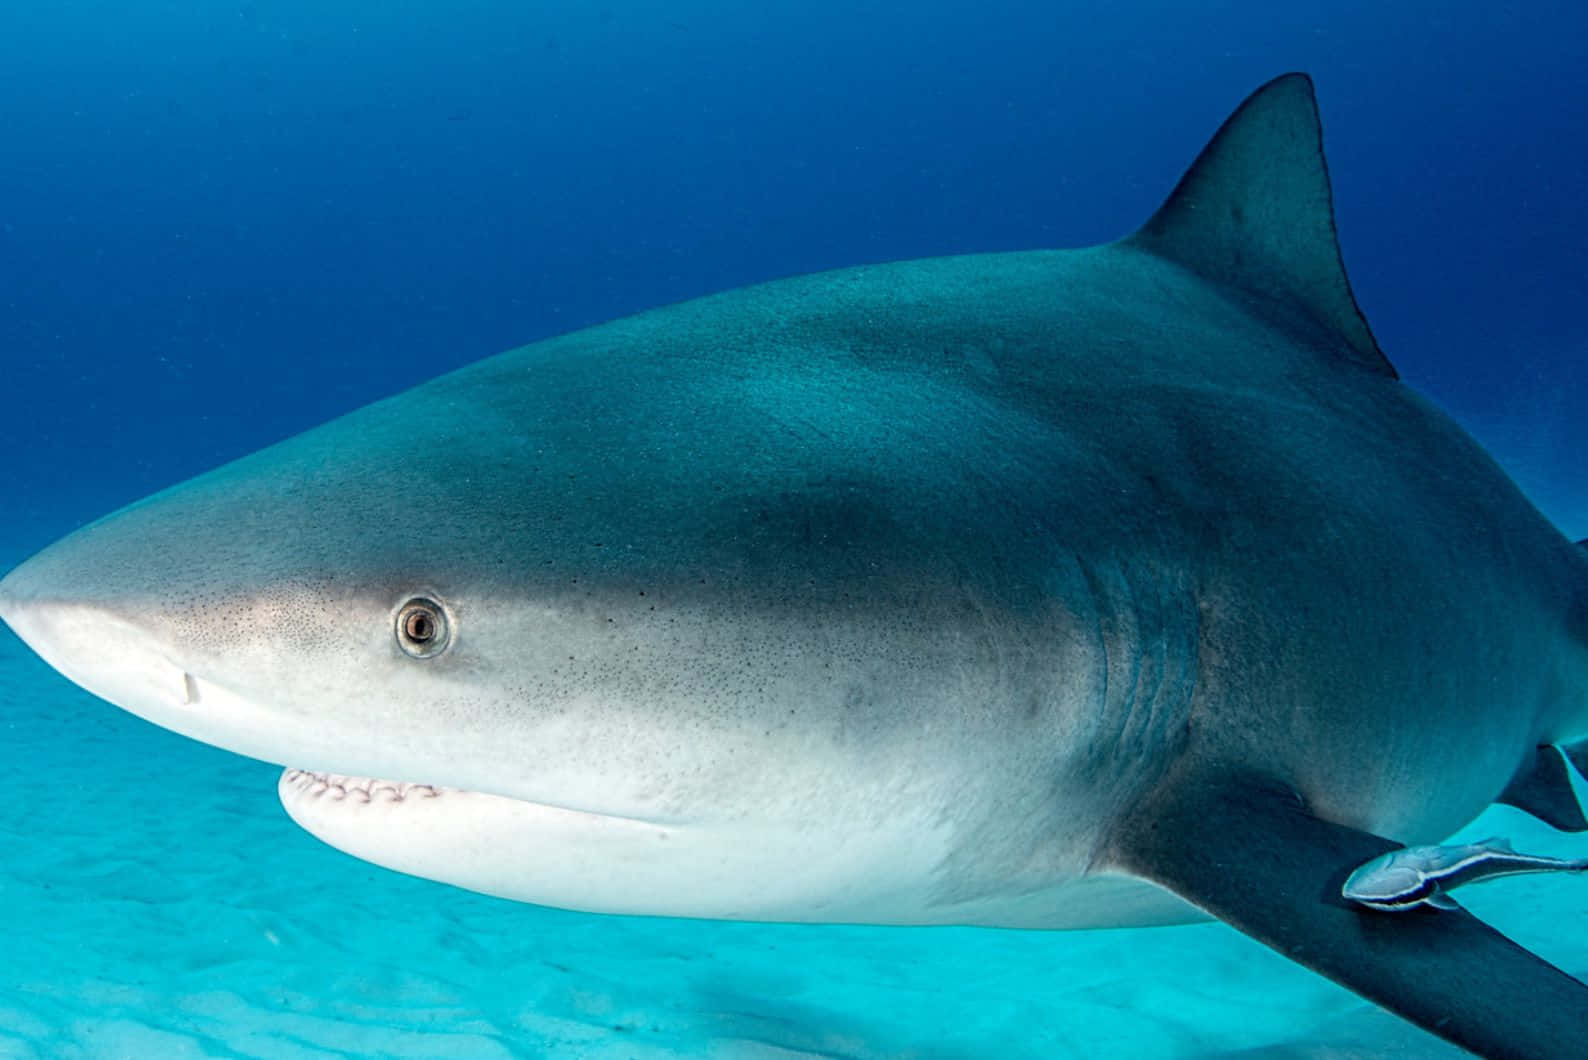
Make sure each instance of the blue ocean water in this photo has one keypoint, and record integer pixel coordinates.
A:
(222, 223)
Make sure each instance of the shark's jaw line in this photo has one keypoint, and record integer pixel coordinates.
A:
(341, 786)
(306, 786)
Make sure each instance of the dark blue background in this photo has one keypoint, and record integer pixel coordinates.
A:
(223, 222)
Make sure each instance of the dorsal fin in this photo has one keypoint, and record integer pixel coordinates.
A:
(1254, 212)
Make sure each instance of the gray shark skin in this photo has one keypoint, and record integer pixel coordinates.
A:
(1112, 586)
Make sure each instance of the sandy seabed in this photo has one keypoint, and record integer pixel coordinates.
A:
(155, 901)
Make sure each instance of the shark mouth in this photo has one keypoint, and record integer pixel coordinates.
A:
(309, 796)
(339, 787)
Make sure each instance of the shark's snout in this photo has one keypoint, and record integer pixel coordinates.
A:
(97, 643)
(7, 599)
(29, 609)
(85, 615)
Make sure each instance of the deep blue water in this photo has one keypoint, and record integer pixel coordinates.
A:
(221, 223)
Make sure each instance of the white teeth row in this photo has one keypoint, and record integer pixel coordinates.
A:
(361, 789)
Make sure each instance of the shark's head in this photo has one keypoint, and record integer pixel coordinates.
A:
(596, 646)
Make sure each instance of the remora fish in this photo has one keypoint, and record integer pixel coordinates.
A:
(1046, 589)
(1425, 875)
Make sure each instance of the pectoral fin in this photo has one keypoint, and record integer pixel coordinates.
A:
(1249, 853)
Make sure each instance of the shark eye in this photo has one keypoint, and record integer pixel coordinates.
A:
(422, 628)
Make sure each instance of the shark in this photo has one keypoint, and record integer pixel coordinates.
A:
(1112, 586)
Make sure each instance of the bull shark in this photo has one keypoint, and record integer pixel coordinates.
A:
(1114, 586)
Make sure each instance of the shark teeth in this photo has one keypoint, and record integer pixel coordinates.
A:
(338, 786)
